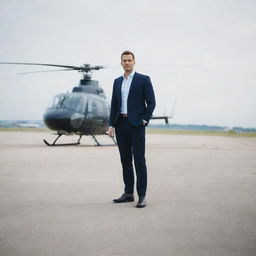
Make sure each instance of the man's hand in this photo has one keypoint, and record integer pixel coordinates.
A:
(144, 122)
(111, 131)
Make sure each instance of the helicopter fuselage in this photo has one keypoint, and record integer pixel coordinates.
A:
(83, 111)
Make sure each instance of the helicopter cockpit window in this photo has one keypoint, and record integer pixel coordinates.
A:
(56, 102)
(74, 102)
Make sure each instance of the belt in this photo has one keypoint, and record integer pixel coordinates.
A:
(124, 115)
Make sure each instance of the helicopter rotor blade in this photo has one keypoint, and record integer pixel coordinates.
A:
(84, 68)
(98, 67)
(42, 71)
(41, 64)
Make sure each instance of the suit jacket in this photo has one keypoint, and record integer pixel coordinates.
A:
(140, 102)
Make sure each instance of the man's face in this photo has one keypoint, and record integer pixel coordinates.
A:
(127, 62)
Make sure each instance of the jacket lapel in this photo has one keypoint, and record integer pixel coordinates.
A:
(120, 88)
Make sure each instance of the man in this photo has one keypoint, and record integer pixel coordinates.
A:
(132, 105)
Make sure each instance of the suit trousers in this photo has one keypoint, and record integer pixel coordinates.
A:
(131, 145)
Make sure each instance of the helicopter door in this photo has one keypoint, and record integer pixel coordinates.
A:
(96, 111)
(103, 111)
(91, 109)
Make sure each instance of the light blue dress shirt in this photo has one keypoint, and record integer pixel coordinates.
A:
(126, 84)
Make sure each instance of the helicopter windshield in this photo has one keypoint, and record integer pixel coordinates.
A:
(72, 101)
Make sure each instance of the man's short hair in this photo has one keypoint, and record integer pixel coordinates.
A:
(128, 53)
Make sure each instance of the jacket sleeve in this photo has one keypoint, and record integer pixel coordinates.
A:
(149, 99)
(113, 107)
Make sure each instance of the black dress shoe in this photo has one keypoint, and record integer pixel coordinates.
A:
(124, 198)
(142, 202)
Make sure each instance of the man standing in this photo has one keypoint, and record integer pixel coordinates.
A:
(132, 105)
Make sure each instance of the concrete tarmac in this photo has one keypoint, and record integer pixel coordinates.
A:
(57, 201)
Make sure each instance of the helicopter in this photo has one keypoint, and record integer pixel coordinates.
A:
(84, 111)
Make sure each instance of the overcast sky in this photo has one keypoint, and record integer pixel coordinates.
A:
(201, 52)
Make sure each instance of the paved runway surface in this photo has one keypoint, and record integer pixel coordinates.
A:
(57, 201)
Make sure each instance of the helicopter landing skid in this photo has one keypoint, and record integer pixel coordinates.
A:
(64, 144)
(97, 142)
(113, 140)
(78, 142)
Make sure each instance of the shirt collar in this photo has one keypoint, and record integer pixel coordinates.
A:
(130, 75)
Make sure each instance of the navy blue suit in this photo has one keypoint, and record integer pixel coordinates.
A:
(130, 131)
